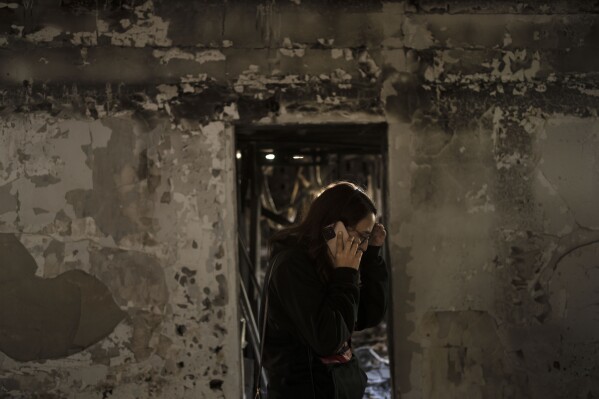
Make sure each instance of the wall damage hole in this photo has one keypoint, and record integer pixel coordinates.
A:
(216, 384)
(188, 272)
(556, 365)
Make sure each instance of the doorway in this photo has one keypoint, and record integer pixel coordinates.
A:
(279, 170)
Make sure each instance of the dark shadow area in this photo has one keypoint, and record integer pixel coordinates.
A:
(49, 318)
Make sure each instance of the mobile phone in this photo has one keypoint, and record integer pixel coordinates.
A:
(330, 235)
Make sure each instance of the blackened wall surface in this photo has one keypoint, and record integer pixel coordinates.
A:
(116, 154)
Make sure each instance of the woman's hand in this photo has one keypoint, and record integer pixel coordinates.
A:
(377, 237)
(347, 254)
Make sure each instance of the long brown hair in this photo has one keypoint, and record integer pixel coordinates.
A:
(340, 200)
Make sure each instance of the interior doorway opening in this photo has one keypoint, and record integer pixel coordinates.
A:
(279, 170)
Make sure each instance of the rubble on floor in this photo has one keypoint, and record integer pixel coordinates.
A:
(370, 346)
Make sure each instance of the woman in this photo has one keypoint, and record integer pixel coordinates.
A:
(317, 299)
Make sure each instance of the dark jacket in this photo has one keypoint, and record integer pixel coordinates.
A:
(308, 318)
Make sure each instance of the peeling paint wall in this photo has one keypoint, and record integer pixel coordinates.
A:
(141, 209)
(495, 139)
(116, 174)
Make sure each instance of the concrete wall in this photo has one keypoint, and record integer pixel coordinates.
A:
(115, 276)
(494, 135)
(116, 179)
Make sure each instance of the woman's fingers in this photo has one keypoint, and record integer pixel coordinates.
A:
(340, 245)
(354, 247)
(347, 252)
(348, 243)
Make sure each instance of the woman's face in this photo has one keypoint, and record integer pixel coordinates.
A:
(362, 230)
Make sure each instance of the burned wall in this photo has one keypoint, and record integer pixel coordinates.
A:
(493, 123)
(116, 174)
(114, 279)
